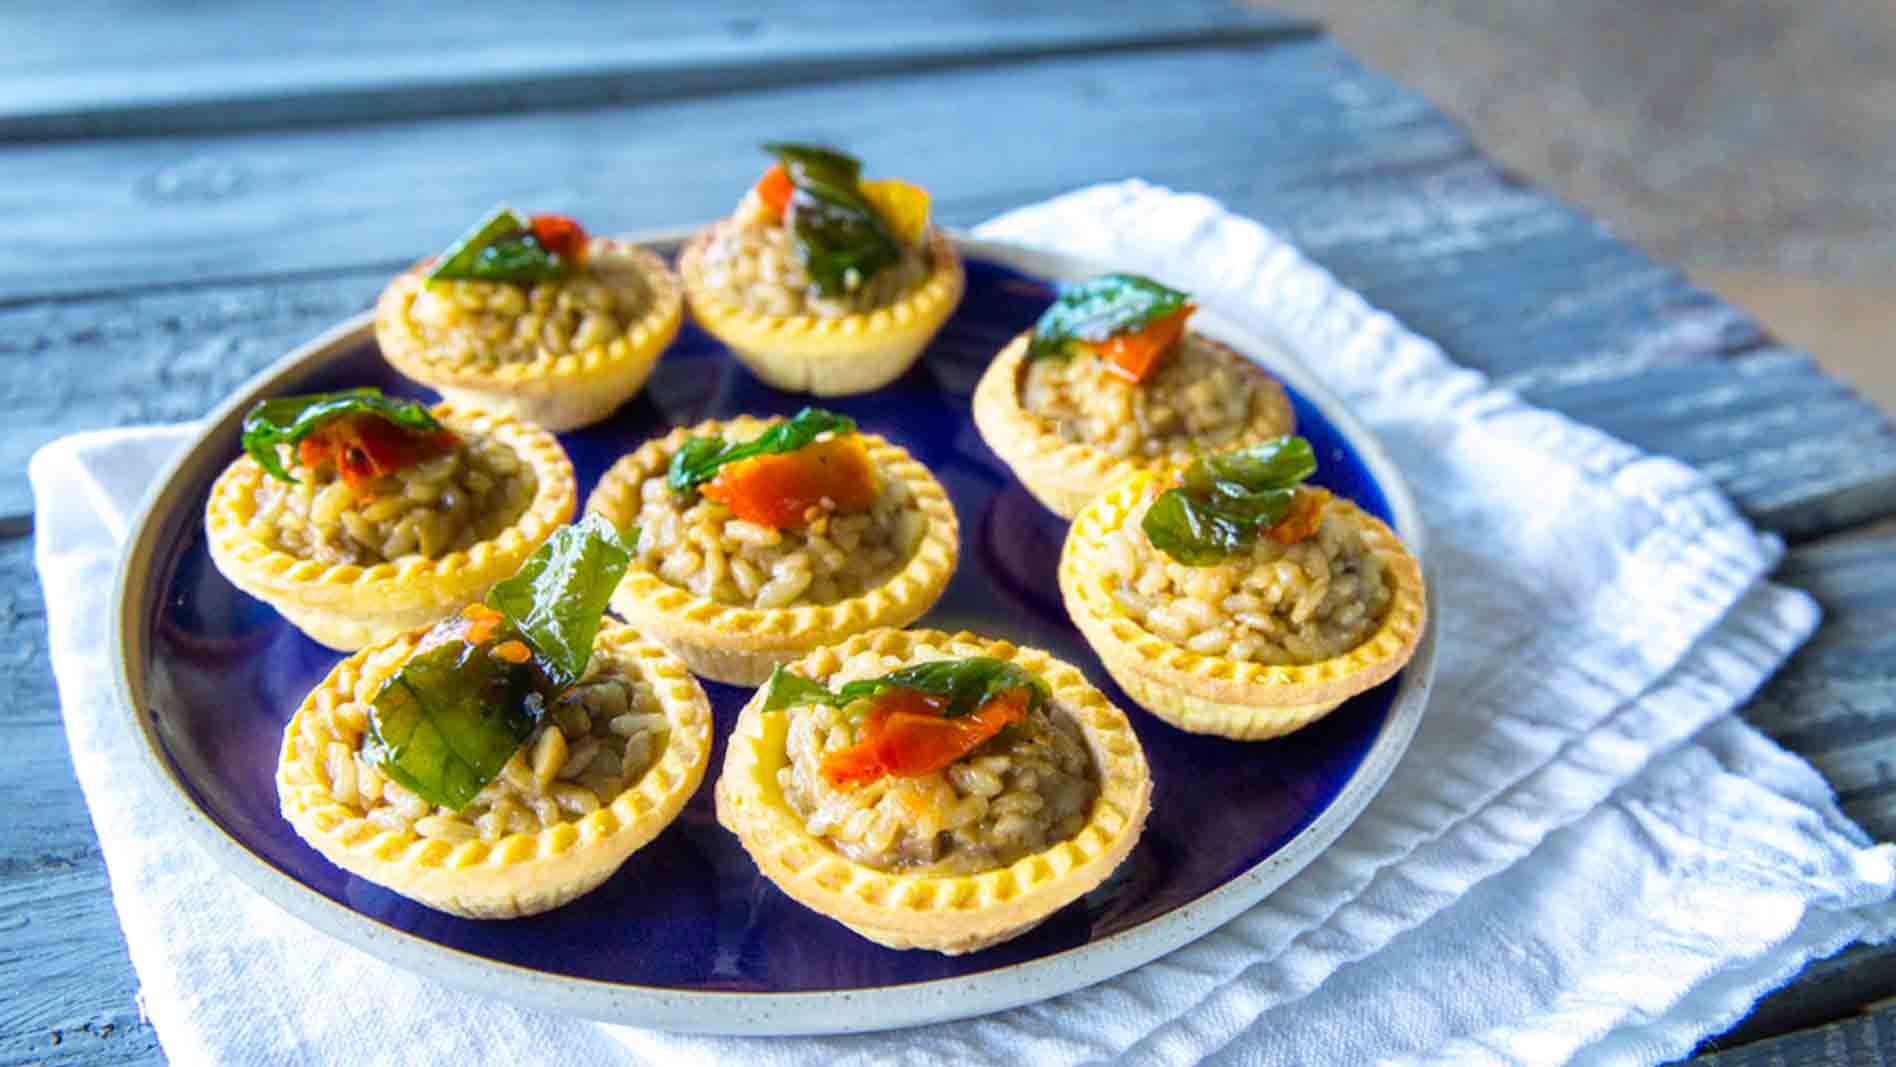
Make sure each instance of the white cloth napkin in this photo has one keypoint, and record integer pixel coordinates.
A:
(1584, 857)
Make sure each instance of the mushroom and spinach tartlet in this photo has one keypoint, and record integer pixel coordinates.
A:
(530, 317)
(1232, 599)
(1111, 381)
(507, 760)
(358, 515)
(933, 791)
(758, 540)
(823, 282)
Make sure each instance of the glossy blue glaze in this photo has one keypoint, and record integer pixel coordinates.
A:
(690, 911)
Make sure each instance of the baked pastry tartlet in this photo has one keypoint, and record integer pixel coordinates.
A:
(758, 540)
(1237, 601)
(358, 516)
(821, 282)
(1110, 381)
(933, 791)
(506, 761)
(532, 318)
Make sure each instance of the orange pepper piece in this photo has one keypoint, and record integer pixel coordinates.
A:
(774, 189)
(780, 490)
(905, 736)
(512, 652)
(1133, 355)
(1306, 511)
(559, 234)
(364, 447)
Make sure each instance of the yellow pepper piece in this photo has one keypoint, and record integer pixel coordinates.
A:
(902, 205)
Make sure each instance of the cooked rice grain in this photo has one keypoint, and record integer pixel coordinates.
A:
(444, 505)
(756, 266)
(1026, 790)
(1278, 604)
(1202, 396)
(554, 777)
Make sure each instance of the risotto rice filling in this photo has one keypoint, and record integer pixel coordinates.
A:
(439, 506)
(1275, 604)
(754, 264)
(1202, 396)
(696, 543)
(1030, 787)
(488, 324)
(593, 743)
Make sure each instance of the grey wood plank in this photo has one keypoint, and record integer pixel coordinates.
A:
(68, 985)
(1835, 702)
(1365, 176)
(1803, 451)
(96, 216)
(1866, 1040)
(127, 68)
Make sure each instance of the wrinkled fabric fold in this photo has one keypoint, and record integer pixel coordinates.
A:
(1584, 857)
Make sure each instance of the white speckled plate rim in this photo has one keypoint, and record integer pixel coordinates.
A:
(840, 1011)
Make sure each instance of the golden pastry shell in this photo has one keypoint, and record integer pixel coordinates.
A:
(558, 391)
(1212, 694)
(346, 606)
(829, 356)
(1065, 474)
(951, 914)
(520, 874)
(741, 645)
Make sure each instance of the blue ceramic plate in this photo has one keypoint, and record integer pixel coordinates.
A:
(688, 935)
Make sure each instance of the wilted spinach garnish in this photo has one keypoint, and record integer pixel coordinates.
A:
(287, 420)
(448, 720)
(698, 459)
(500, 248)
(835, 227)
(965, 683)
(1101, 308)
(1222, 502)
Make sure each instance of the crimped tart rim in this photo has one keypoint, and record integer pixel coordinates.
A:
(1051, 465)
(675, 613)
(1118, 638)
(637, 814)
(923, 307)
(925, 909)
(409, 353)
(251, 563)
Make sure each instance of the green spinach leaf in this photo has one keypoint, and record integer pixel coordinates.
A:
(966, 683)
(448, 721)
(287, 420)
(835, 227)
(1223, 501)
(1101, 308)
(556, 598)
(500, 248)
(698, 459)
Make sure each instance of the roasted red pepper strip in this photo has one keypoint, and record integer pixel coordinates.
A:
(1306, 511)
(1133, 355)
(779, 490)
(774, 189)
(561, 235)
(905, 736)
(364, 448)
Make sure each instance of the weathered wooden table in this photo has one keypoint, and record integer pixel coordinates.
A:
(190, 194)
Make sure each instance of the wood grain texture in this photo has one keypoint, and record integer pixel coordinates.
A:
(148, 277)
(76, 71)
(69, 987)
(1835, 703)
(1865, 1040)
(267, 229)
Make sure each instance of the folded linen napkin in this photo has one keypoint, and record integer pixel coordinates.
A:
(1583, 858)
